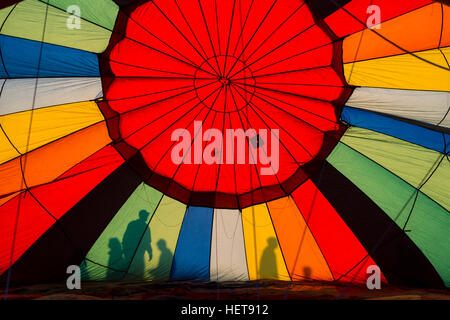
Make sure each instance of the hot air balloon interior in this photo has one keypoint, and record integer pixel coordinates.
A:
(225, 142)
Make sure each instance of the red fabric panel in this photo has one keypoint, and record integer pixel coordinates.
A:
(267, 65)
(287, 36)
(339, 245)
(130, 94)
(33, 221)
(306, 59)
(56, 197)
(300, 51)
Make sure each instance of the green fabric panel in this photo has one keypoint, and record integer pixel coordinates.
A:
(27, 21)
(429, 222)
(431, 233)
(117, 244)
(165, 229)
(91, 271)
(438, 187)
(410, 162)
(4, 13)
(101, 12)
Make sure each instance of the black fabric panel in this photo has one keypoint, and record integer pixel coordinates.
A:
(70, 238)
(7, 3)
(123, 3)
(446, 2)
(324, 8)
(400, 260)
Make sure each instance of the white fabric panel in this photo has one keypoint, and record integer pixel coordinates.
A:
(446, 121)
(228, 259)
(17, 94)
(425, 106)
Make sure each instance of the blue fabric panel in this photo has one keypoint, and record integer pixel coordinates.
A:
(20, 59)
(192, 254)
(402, 130)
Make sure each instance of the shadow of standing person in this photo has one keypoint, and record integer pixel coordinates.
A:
(137, 235)
(165, 261)
(268, 265)
(115, 260)
(307, 273)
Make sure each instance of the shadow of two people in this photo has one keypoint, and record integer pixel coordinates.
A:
(130, 254)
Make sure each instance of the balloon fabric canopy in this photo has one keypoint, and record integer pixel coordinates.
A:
(121, 122)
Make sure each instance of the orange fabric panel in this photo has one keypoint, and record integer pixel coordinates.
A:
(446, 27)
(423, 32)
(11, 177)
(303, 256)
(5, 199)
(50, 161)
(36, 209)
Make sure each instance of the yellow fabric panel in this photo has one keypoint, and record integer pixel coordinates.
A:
(410, 162)
(48, 124)
(5, 12)
(164, 226)
(264, 257)
(49, 162)
(402, 71)
(7, 151)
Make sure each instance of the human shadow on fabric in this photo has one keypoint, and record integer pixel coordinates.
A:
(115, 260)
(136, 241)
(307, 273)
(268, 264)
(165, 260)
